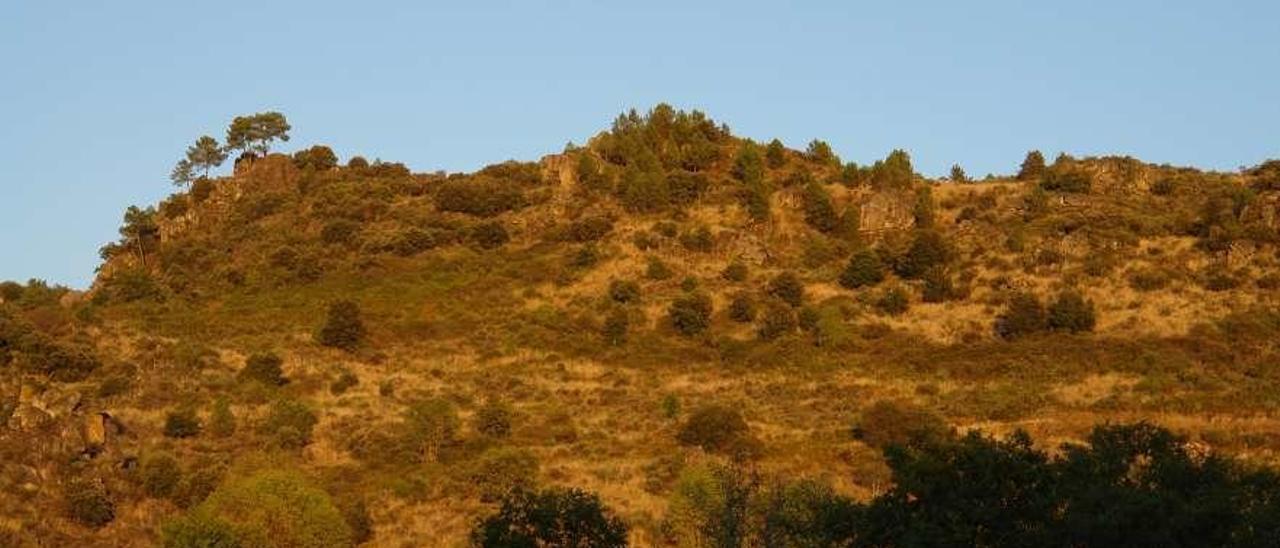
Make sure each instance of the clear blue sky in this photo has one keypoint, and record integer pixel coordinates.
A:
(98, 99)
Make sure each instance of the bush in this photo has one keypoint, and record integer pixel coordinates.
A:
(493, 420)
(160, 475)
(735, 272)
(742, 308)
(864, 269)
(551, 518)
(1067, 179)
(498, 473)
(1023, 316)
(777, 319)
(480, 197)
(318, 157)
(689, 284)
(221, 422)
(356, 513)
(432, 426)
(272, 507)
(686, 187)
(690, 314)
(615, 327)
(937, 286)
(197, 486)
(490, 235)
(657, 270)
(819, 212)
(264, 368)
(290, 423)
(345, 381)
(415, 240)
(343, 328)
(718, 429)
(1032, 167)
(775, 154)
(788, 288)
(87, 502)
(1071, 312)
(928, 250)
(698, 239)
(893, 302)
(585, 257)
(889, 423)
(589, 229)
(357, 162)
(624, 291)
(182, 423)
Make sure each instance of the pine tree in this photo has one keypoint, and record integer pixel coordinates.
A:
(1032, 167)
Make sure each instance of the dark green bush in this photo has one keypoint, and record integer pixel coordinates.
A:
(318, 158)
(271, 507)
(657, 270)
(893, 302)
(290, 423)
(160, 475)
(698, 239)
(718, 429)
(182, 423)
(343, 327)
(819, 212)
(690, 314)
(616, 325)
(493, 419)
(775, 154)
(589, 229)
(1032, 167)
(742, 308)
(928, 250)
(87, 502)
(624, 291)
(937, 286)
(776, 319)
(490, 235)
(787, 287)
(735, 272)
(551, 518)
(1067, 179)
(892, 423)
(864, 269)
(481, 197)
(1023, 316)
(499, 472)
(264, 368)
(1070, 311)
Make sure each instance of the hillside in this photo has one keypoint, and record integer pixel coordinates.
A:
(408, 348)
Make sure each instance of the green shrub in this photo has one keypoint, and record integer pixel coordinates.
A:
(290, 423)
(928, 250)
(222, 423)
(624, 291)
(498, 473)
(819, 212)
(197, 485)
(891, 423)
(1148, 279)
(777, 319)
(698, 239)
(1023, 316)
(87, 502)
(1032, 167)
(345, 381)
(182, 423)
(551, 518)
(937, 286)
(657, 270)
(742, 308)
(273, 507)
(893, 302)
(748, 167)
(490, 235)
(318, 158)
(864, 269)
(356, 513)
(160, 475)
(1067, 179)
(788, 288)
(1071, 312)
(493, 420)
(689, 284)
(343, 328)
(775, 154)
(735, 272)
(718, 429)
(432, 426)
(686, 188)
(690, 314)
(264, 368)
(616, 325)
(589, 229)
(481, 197)
(585, 257)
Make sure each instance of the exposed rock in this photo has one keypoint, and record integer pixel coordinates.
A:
(888, 210)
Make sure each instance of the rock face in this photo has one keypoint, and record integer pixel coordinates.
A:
(885, 211)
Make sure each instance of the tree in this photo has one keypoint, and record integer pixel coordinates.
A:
(205, 154)
(716, 428)
(264, 367)
(317, 158)
(894, 172)
(923, 210)
(819, 212)
(566, 518)
(269, 507)
(820, 152)
(927, 250)
(787, 287)
(343, 328)
(1070, 311)
(183, 173)
(1032, 167)
(777, 319)
(864, 269)
(747, 165)
(140, 233)
(256, 132)
(433, 425)
(1023, 316)
(775, 155)
(690, 314)
(958, 175)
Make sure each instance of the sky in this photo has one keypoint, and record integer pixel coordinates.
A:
(98, 100)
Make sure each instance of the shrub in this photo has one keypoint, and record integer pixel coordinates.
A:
(318, 157)
(551, 518)
(689, 284)
(272, 507)
(690, 314)
(717, 429)
(201, 189)
(589, 229)
(1148, 279)
(788, 288)
(819, 212)
(356, 513)
(480, 197)
(264, 368)
(923, 210)
(937, 286)
(500, 472)
(493, 419)
(585, 257)
(747, 165)
(864, 269)
(1032, 167)
(686, 187)
(893, 302)
(198, 531)
(290, 423)
(927, 251)
(698, 239)
(890, 423)
(1023, 316)
(343, 328)
(1067, 179)
(624, 291)
(357, 162)
(1071, 312)
(742, 308)
(432, 425)
(87, 502)
(182, 423)
(345, 381)
(819, 151)
(222, 423)
(615, 327)
(415, 240)
(775, 154)
(197, 486)
(160, 475)
(735, 272)
(776, 320)
(490, 235)
(1221, 281)
(657, 270)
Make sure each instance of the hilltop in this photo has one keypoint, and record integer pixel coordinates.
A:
(409, 348)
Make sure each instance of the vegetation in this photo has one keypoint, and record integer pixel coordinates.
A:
(568, 517)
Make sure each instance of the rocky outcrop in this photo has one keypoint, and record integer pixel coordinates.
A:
(885, 211)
